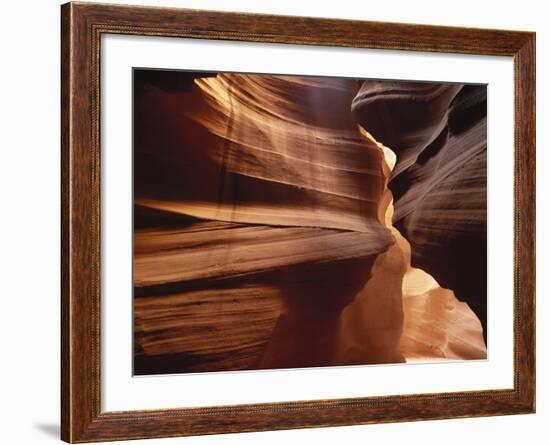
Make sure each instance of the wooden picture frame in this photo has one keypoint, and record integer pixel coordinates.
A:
(82, 26)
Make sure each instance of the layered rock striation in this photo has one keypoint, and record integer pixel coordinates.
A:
(263, 232)
(439, 135)
(260, 183)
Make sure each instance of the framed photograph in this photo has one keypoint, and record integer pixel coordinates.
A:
(274, 222)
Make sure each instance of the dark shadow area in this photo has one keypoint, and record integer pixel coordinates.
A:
(49, 429)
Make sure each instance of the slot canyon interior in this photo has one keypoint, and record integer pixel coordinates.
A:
(289, 222)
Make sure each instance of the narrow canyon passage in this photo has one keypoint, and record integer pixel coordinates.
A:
(435, 324)
(264, 230)
(438, 132)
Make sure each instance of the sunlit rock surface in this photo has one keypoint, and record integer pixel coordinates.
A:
(429, 321)
(436, 324)
(258, 150)
(262, 237)
(438, 133)
(253, 182)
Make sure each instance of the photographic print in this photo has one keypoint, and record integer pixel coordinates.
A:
(296, 221)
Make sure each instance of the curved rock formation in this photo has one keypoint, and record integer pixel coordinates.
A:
(438, 133)
(436, 325)
(262, 221)
(429, 321)
(253, 182)
(258, 150)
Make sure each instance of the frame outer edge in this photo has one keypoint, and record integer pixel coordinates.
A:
(80, 229)
(65, 429)
(525, 84)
